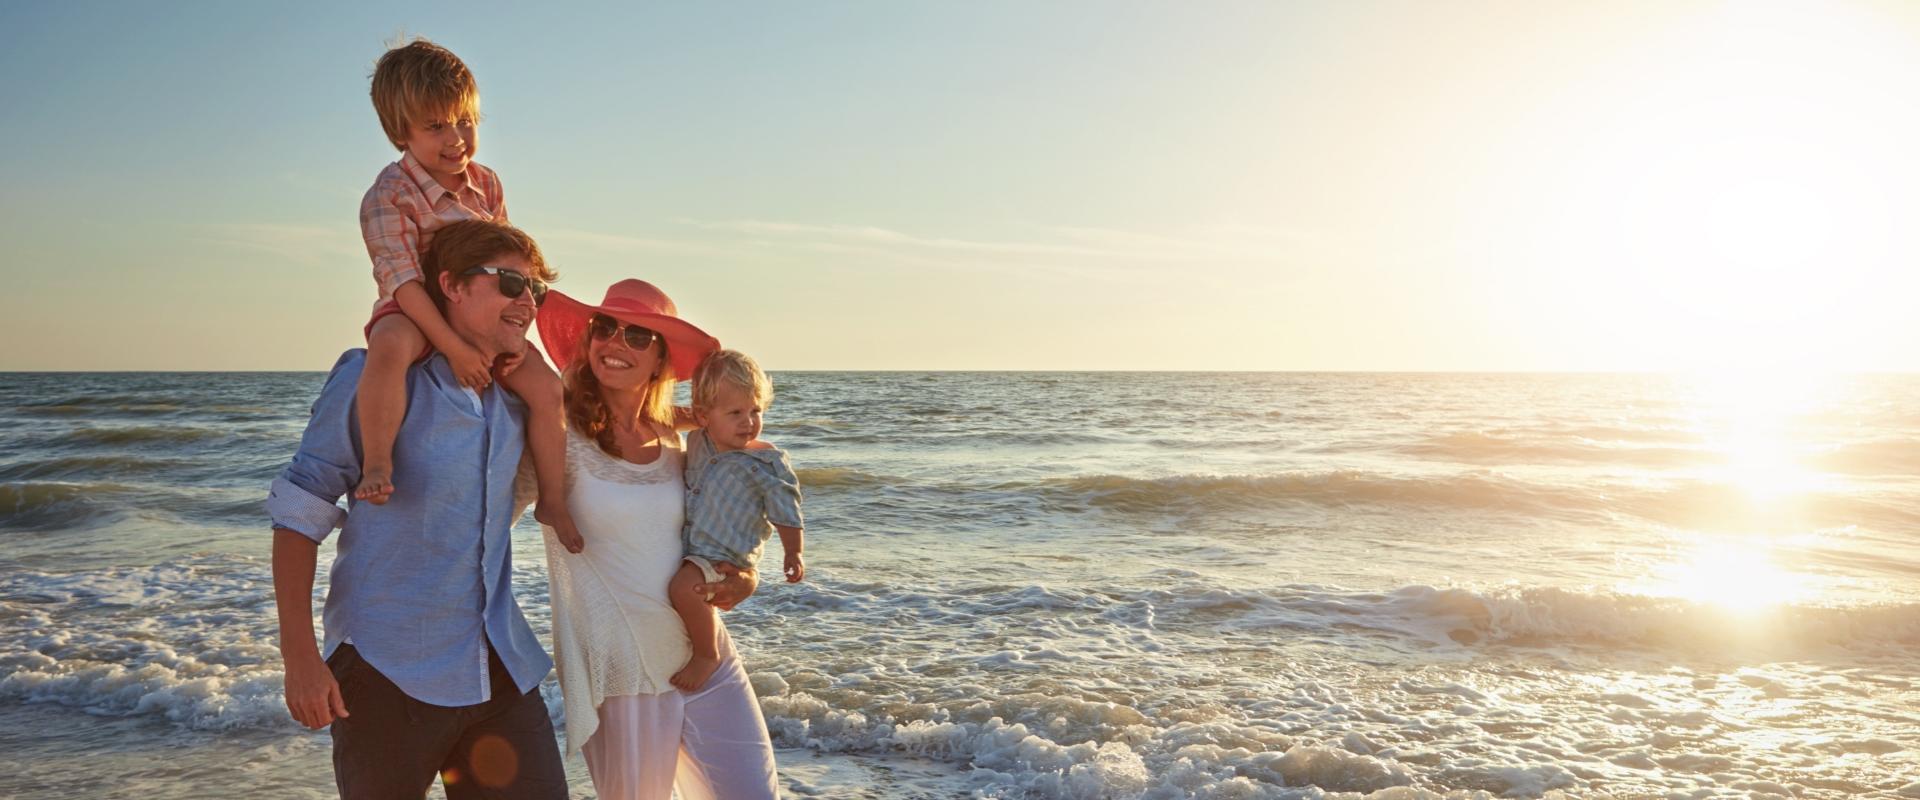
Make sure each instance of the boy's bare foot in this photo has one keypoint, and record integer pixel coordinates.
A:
(376, 486)
(563, 528)
(695, 674)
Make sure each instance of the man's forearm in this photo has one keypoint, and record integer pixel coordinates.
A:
(294, 557)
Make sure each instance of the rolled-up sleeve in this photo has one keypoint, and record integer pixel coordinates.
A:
(327, 465)
(392, 236)
(780, 492)
(496, 195)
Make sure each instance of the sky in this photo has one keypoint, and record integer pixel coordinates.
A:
(1005, 185)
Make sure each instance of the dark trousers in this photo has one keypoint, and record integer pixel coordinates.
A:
(393, 745)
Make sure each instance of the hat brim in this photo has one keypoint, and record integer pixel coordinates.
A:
(563, 323)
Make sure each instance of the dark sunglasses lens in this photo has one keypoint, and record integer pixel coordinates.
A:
(512, 283)
(601, 326)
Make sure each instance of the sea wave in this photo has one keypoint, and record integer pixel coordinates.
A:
(145, 434)
(1526, 616)
(1689, 502)
(1085, 754)
(57, 505)
(841, 478)
(71, 467)
(1482, 447)
(805, 427)
(189, 641)
(1480, 490)
(1888, 456)
(52, 505)
(1557, 615)
(104, 404)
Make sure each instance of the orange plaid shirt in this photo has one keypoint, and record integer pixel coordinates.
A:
(406, 205)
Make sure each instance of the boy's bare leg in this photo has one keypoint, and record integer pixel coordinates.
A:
(539, 387)
(702, 628)
(381, 402)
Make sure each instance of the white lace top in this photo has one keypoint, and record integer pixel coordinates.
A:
(614, 632)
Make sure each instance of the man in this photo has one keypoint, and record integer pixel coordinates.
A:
(429, 667)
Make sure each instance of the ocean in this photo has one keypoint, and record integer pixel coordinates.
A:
(1100, 585)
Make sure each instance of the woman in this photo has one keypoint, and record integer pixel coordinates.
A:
(616, 638)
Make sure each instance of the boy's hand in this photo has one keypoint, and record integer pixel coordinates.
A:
(470, 367)
(555, 516)
(507, 363)
(570, 538)
(795, 567)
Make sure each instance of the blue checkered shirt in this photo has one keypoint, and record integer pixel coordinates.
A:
(734, 499)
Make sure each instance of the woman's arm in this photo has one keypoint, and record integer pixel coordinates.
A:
(735, 585)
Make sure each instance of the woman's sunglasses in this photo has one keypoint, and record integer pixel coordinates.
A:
(513, 284)
(603, 327)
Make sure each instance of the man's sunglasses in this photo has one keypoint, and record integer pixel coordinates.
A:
(603, 327)
(513, 284)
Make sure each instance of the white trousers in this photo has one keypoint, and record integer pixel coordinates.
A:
(712, 743)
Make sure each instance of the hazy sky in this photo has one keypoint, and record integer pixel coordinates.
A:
(1005, 185)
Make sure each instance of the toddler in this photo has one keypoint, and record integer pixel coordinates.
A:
(739, 491)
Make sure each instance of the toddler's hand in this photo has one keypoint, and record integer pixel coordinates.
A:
(470, 367)
(795, 567)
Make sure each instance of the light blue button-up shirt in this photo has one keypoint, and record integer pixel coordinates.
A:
(423, 584)
(734, 499)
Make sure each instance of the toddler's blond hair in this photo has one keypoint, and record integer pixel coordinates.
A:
(730, 368)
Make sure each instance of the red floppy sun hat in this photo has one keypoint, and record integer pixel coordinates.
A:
(563, 323)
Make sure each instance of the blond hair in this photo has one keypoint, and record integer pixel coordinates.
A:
(421, 82)
(730, 368)
(587, 410)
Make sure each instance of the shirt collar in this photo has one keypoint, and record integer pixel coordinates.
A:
(424, 179)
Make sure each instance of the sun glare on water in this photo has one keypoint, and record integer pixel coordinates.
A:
(1737, 577)
(1748, 420)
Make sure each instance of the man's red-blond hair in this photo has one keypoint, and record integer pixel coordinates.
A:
(471, 243)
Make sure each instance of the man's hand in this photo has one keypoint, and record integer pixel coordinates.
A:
(735, 585)
(313, 697)
(795, 566)
(472, 369)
